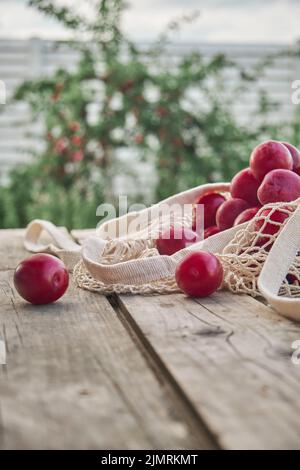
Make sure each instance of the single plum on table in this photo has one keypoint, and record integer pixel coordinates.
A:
(279, 186)
(209, 231)
(244, 185)
(268, 156)
(199, 274)
(295, 156)
(41, 279)
(246, 215)
(211, 203)
(174, 239)
(228, 212)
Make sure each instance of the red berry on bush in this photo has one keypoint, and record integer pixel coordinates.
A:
(211, 203)
(74, 126)
(56, 94)
(199, 274)
(76, 140)
(228, 212)
(77, 156)
(41, 279)
(174, 239)
(177, 141)
(61, 145)
(161, 111)
(279, 186)
(139, 139)
(127, 85)
(268, 156)
(244, 185)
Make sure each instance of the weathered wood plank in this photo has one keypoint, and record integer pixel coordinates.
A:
(231, 356)
(11, 249)
(77, 378)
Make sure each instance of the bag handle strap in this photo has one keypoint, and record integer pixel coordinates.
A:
(70, 252)
(277, 265)
(64, 246)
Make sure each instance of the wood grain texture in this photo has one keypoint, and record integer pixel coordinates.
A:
(152, 372)
(76, 378)
(231, 356)
(11, 248)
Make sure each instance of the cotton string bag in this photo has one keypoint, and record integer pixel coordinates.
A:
(260, 257)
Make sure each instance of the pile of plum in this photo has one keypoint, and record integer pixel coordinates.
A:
(273, 176)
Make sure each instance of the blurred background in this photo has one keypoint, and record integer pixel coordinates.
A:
(106, 98)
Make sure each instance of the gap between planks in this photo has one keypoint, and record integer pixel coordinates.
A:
(231, 357)
(75, 378)
(158, 366)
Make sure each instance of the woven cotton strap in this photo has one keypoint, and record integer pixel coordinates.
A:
(144, 270)
(277, 265)
(64, 246)
(128, 272)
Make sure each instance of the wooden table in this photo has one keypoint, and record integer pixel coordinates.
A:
(155, 372)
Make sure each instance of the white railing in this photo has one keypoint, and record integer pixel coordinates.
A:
(21, 60)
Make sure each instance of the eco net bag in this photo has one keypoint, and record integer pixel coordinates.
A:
(256, 261)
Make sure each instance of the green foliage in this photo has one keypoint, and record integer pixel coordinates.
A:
(173, 112)
(30, 196)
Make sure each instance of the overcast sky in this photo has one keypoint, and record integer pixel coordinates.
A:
(233, 21)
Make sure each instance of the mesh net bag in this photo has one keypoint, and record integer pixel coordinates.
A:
(259, 258)
(244, 257)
